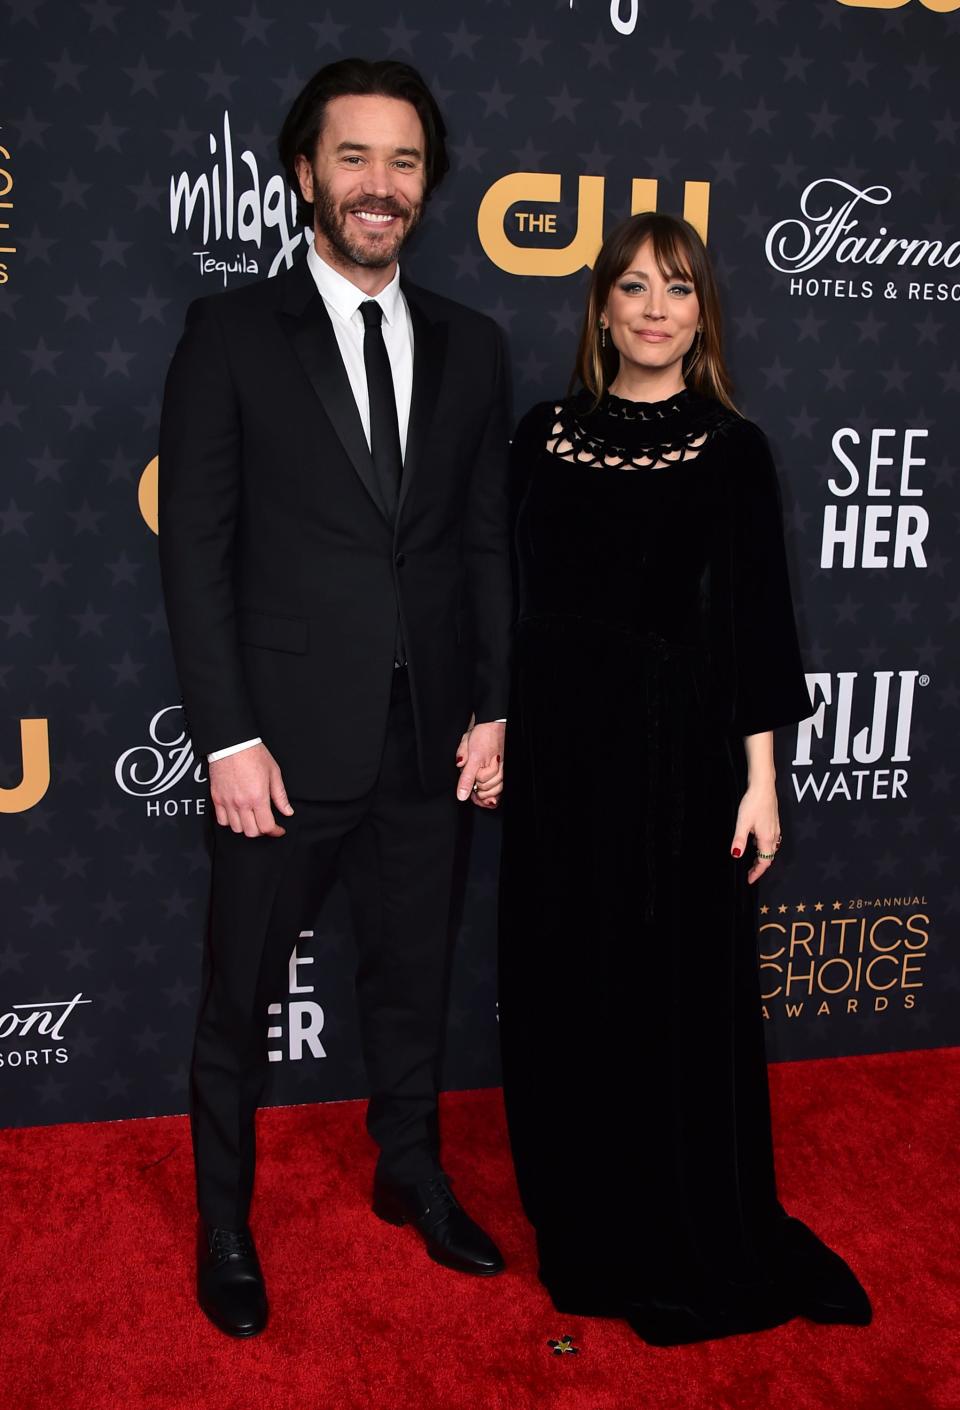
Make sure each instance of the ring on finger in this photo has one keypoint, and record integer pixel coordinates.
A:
(766, 856)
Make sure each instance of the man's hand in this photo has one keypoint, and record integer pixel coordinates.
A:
(242, 787)
(480, 760)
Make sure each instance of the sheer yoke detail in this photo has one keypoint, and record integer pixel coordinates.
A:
(625, 435)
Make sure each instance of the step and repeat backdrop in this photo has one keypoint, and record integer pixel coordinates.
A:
(814, 145)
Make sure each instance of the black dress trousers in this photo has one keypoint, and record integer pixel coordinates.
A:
(394, 850)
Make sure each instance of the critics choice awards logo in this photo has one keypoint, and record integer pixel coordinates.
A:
(32, 1034)
(829, 958)
(164, 765)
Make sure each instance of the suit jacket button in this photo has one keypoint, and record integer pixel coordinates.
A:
(400, 560)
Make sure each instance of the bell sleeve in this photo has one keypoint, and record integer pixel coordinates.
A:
(766, 683)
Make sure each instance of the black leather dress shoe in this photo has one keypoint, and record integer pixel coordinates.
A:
(230, 1287)
(451, 1236)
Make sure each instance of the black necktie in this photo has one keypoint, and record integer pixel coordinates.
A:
(384, 427)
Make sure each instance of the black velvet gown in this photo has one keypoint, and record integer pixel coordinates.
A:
(655, 631)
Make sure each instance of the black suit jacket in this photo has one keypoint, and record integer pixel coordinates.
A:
(281, 574)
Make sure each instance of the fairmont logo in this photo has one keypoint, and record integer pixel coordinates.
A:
(44, 1019)
(231, 202)
(829, 214)
(147, 770)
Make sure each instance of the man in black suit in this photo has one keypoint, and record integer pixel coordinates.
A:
(334, 553)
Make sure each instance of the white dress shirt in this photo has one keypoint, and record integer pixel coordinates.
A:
(342, 300)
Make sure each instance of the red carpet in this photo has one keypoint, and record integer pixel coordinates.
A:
(96, 1307)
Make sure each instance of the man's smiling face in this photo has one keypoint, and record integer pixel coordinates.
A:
(366, 182)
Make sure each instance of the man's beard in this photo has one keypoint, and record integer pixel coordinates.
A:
(331, 221)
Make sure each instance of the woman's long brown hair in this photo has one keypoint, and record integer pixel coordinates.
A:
(680, 254)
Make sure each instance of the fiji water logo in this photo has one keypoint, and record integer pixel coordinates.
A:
(232, 203)
(166, 763)
(865, 721)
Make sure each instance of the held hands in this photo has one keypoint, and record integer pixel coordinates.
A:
(758, 815)
(480, 761)
(242, 788)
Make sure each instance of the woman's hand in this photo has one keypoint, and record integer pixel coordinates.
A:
(480, 761)
(758, 815)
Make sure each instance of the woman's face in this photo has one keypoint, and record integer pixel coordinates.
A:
(652, 320)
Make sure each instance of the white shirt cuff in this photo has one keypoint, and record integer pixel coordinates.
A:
(234, 749)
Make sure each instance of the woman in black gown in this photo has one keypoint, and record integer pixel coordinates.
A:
(656, 653)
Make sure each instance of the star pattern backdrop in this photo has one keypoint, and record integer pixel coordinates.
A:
(803, 138)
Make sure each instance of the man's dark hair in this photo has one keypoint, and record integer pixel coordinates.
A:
(384, 78)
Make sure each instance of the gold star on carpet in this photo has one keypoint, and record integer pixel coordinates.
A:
(563, 1346)
(800, 908)
(818, 906)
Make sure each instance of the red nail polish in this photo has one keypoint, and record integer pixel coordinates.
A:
(736, 851)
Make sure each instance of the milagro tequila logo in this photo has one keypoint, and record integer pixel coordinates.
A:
(231, 203)
(167, 762)
(865, 720)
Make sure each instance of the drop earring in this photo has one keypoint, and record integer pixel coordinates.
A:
(603, 336)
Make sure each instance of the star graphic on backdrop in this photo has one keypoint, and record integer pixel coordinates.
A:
(835, 377)
(18, 622)
(327, 32)
(102, 15)
(400, 37)
(78, 956)
(66, 74)
(36, 245)
(89, 622)
(726, 169)
(182, 139)
(51, 571)
(219, 84)
(107, 133)
(11, 960)
(74, 865)
(823, 121)
(946, 127)
(14, 520)
(150, 306)
(921, 72)
(532, 47)
(796, 65)
(72, 190)
(179, 20)
(144, 951)
(41, 912)
(94, 720)
(598, 51)
(127, 671)
(30, 129)
(468, 263)
(462, 42)
(885, 124)
(116, 360)
(858, 69)
(143, 79)
(732, 61)
(564, 105)
(495, 101)
(106, 816)
(696, 113)
(77, 304)
(112, 248)
(631, 109)
(254, 26)
(760, 117)
(289, 85)
(467, 154)
(81, 413)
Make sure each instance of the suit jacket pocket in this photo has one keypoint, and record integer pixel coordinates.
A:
(274, 633)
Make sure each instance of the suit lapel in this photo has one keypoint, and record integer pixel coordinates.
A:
(429, 347)
(307, 324)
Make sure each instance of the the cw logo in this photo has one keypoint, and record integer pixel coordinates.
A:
(535, 186)
(35, 751)
(942, 7)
